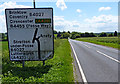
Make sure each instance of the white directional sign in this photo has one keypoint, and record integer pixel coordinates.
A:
(30, 33)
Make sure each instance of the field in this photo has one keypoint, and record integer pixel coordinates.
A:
(106, 41)
(57, 69)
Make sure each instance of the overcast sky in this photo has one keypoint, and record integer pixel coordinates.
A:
(101, 16)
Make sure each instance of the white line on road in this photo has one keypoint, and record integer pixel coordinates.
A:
(87, 46)
(108, 56)
(80, 68)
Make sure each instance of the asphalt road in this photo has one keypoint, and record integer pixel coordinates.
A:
(97, 63)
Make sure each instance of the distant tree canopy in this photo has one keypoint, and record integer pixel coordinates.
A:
(65, 35)
(78, 35)
(74, 35)
(59, 35)
(69, 32)
(55, 32)
(92, 34)
(115, 33)
(3, 36)
(103, 34)
(111, 34)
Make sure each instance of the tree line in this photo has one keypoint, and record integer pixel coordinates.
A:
(3, 36)
(74, 35)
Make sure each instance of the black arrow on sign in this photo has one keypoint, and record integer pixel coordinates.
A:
(37, 39)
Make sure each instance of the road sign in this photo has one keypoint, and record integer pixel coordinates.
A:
(30, 33)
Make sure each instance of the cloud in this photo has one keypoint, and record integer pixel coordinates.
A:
(61, 4)
(2, 13)
(104, 8)
(11, 5)
(103, 19)
(2, 24)
(78, 10)
(56, 18)
(102, 23)
(65, 25)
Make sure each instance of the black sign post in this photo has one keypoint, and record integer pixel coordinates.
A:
(38, 38)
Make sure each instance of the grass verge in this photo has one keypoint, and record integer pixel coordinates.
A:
(57, 69)
(106, 41)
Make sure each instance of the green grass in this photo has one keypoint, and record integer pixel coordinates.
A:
(106, 41)
(0, 61)
(55, 36)
(57, 69)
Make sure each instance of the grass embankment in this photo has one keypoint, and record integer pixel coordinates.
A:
(106, 41)
(0, 61)
(57, 69)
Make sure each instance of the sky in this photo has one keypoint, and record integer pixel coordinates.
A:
(79, 16)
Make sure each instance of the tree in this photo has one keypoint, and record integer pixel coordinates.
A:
(103, 34)
(55, 32)
(115, 33)
(111, 34)
(0, 36)
(74, 33)
(63, 31)
(92, 34)
(3, 36)
(59, 34)
(65, 35)
(82, 35)
(77, 35)
(69, 32)
(73, 36)
(86, 34)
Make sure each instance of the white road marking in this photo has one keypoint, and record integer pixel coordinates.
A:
(108, 56)
(87, 46)
(80, 68)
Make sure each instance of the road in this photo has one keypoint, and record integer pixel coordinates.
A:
(96, 63)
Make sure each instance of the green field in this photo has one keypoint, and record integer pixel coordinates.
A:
(57, 69)
(106, 41)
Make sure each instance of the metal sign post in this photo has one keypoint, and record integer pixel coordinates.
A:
(43, 62)
(34, 3)
(37, 39)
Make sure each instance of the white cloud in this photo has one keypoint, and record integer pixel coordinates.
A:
(2, 13)
(103, 19)
(56, 18)
(61, 4)
(2, 24)
(104, 8)
(78, 10)
(11, 5)
(65, 25)
(102, 23)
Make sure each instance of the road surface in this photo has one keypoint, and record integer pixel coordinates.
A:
(96, 63)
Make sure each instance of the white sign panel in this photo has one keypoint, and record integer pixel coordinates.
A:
(30, 33)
